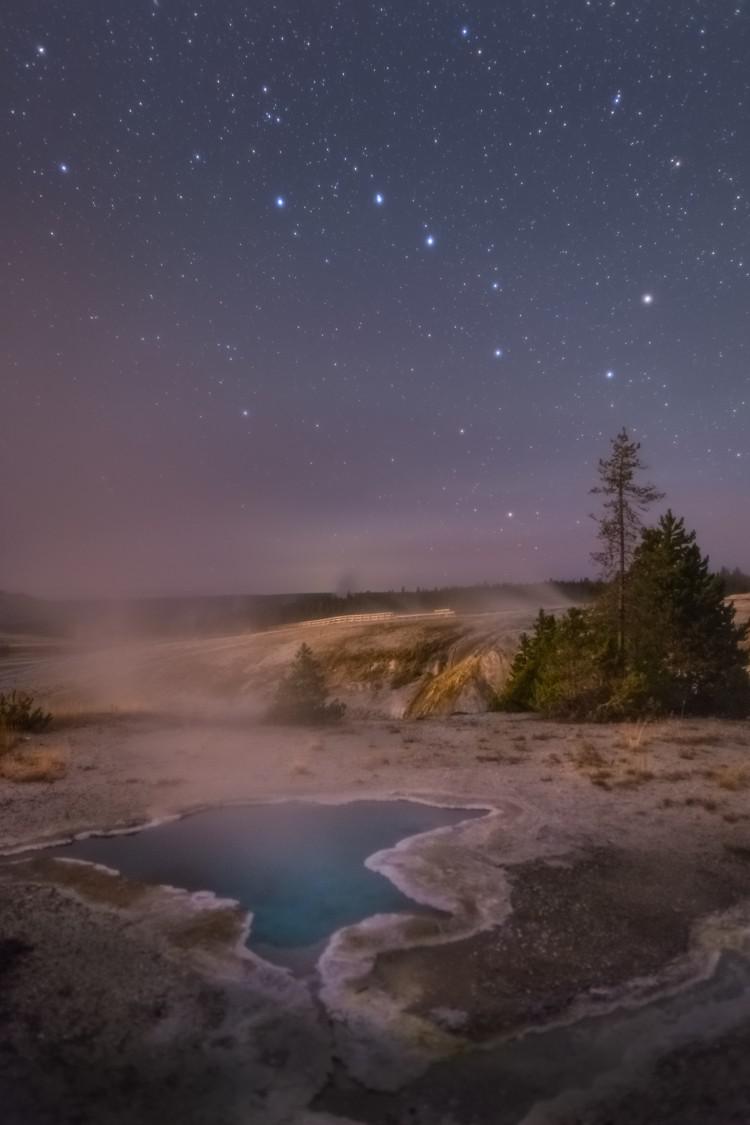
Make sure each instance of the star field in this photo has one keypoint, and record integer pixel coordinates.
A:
(292, 290)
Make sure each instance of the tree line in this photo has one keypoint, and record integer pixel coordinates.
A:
(660, 638)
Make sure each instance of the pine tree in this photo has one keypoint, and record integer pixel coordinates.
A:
(625, 501)
(302, 696)
(519, 693)
(563, 669)
(684, 642)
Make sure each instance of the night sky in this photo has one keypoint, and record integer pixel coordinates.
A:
(322, 294)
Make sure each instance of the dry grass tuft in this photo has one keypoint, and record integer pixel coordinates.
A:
(587, 757)
(8, 738)
(698, 740)
(701, 803)
(636, 739)
(633, 736)
(732, 778)
(674, 775)
(45, 764)
(633, 778)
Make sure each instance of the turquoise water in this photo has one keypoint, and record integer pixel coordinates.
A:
(299, 867)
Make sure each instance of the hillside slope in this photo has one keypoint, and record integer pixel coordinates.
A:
(403, 667)
(409, 667)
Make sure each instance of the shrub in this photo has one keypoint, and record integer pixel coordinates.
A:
(19, 713)
(302, 696)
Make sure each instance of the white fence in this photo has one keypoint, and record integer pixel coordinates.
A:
(363, 618)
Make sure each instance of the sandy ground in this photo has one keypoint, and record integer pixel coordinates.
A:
(606, 848)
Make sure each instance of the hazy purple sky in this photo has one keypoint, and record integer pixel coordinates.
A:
(293, 291)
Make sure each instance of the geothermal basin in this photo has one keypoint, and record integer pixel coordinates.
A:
(298, 867)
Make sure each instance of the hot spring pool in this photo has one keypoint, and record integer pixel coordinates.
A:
(298, 867)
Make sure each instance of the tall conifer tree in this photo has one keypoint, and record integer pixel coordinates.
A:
(626, 499)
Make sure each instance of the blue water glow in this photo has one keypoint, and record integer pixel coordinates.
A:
(298, 866)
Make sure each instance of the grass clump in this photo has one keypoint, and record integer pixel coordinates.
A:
(588, 757)
(20, 713)
(733, 779)
(45, 764)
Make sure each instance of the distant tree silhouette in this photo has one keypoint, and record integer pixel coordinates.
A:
(735, 581)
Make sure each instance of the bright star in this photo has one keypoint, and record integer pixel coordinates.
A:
(465, 32)
(430, 240)
(41, 51)
(496, 285)
(379, 199)
(64, 167)
(498, 353)
(647, 299)
(280, 201)
(610, 374)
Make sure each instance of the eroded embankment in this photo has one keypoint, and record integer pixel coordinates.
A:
(404, 666)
